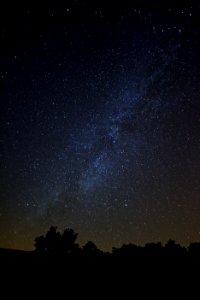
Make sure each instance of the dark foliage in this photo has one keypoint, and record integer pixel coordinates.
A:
(56, 243)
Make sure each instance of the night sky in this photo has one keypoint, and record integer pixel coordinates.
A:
(100, 121)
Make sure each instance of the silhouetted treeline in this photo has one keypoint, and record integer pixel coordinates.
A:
(56, 243)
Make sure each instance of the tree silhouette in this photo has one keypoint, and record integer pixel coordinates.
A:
(171, 244)
(68, 240)
(40, 244)
(89, 246)
(54, 242)
(154, 249)
(172, 248)
(91, 249)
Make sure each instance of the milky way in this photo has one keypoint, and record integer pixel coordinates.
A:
(100, 122)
